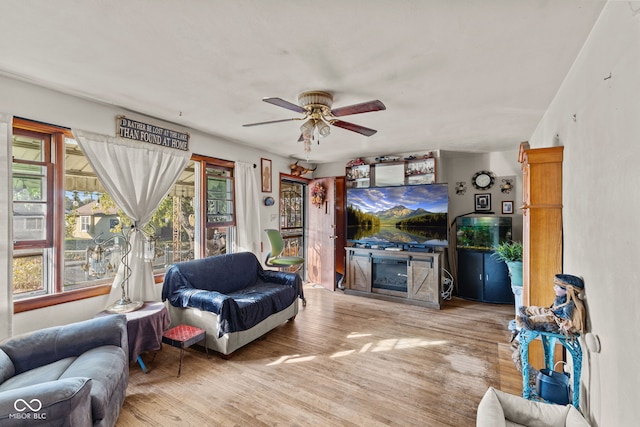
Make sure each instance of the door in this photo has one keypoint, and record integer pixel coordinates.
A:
(321, 268)
(292, 204)
(340, 226)
(359, 274)
(422, 280)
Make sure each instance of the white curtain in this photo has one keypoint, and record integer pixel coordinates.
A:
(247, 208)
(6, 229)
(137, 175)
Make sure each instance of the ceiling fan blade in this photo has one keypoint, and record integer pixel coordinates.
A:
(285, 104)
(364, 107)
(353, 127)
(271, 121)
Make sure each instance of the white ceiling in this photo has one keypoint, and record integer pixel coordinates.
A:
(473, 75)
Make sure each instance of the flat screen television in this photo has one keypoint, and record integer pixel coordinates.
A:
(394, 216)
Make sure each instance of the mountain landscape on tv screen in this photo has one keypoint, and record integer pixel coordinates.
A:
(410, 214)
(396, 225)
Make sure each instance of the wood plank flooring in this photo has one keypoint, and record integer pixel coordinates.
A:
(344, 361)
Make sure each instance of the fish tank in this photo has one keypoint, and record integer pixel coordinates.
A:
(482, 232)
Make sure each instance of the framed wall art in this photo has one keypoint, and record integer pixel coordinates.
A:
(265, 168)
(507, 207)
(483, 202)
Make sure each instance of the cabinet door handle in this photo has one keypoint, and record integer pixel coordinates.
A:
(480, 277)
(487, 278)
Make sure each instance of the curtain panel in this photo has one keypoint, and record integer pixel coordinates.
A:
(6, 228)
(138, 176)
(247, 197)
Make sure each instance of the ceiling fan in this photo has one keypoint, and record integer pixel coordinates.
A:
(318, 115)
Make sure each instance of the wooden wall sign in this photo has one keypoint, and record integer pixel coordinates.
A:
(144, 132)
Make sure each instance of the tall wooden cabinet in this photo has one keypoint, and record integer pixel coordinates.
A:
(542, 222)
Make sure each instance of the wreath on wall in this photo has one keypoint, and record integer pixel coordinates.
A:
(317, 194)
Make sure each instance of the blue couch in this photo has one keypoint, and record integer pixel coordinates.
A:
(71, 375)
(230, 296)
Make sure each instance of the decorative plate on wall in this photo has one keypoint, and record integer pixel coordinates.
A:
(269, 201)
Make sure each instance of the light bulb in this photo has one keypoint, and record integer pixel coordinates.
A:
(307, 128)
(323, 128)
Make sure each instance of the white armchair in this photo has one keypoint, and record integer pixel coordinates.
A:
(498, 409)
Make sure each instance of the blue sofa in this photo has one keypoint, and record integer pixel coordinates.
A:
(71, 375)
(230, 296)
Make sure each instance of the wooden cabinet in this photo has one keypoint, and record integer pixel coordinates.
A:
(402, 276)
(420, 171)
(542, 222)
(541, 229)
(392, 173)
(358, 176)
(483, 278)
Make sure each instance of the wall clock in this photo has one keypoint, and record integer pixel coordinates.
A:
(483, 180)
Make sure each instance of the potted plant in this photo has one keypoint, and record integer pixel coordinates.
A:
(511, 253)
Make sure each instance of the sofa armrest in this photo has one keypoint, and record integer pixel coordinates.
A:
(61, 402)
(283, 278)
(490, 413)
(498, 407)
(48, 345)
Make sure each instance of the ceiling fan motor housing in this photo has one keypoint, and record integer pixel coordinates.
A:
(316, 100)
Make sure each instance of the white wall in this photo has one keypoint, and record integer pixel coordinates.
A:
(35, 103)
(601, 204)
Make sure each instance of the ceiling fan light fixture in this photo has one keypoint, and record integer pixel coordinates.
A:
(318, 116)
(323, 128)
(307, 128)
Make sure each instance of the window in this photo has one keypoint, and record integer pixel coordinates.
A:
(219, 206)
(92, 239)
(292, 203)
(32, 179)
(85, 222)
(174, 223)
(195, 219)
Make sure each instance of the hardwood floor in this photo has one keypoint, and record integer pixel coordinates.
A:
(344, 361)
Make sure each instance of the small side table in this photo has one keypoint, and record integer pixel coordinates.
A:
(184, 336)
(144, 329)
(548, 344)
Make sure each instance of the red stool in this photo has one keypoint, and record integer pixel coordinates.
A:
(183, 336)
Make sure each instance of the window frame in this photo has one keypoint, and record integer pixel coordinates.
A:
(49, 167)
(55, 215)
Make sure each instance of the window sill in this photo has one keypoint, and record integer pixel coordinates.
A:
(69, 296)
(61, 298)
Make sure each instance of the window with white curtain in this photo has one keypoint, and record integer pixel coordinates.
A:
(86, 225)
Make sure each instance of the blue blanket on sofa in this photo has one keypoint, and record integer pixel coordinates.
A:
(234, 286)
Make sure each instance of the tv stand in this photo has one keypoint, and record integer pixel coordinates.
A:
(411, 277)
